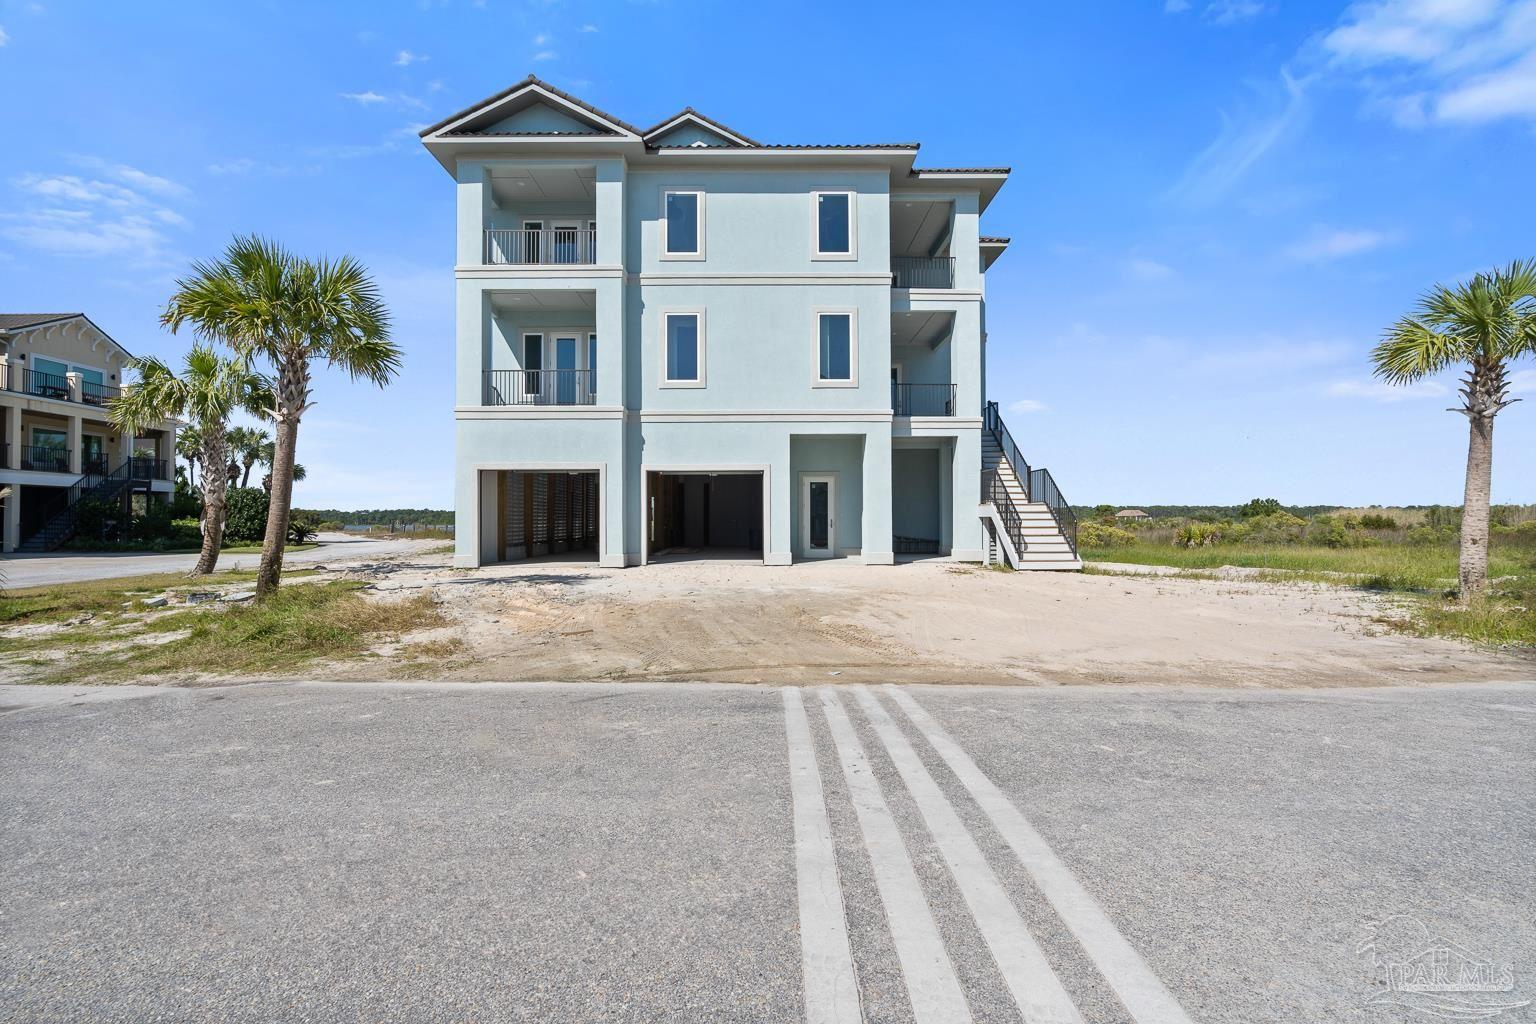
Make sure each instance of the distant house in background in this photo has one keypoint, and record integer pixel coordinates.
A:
(1131, 513)
(58, 374)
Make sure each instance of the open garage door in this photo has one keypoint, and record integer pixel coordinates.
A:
(546, 514)
(705, 515)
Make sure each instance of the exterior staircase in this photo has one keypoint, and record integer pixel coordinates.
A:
(101, 486)
(1029, 522)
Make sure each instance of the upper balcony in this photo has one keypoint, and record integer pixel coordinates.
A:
(921, 234)
(65, 387)
(538, 216)
(541, 247)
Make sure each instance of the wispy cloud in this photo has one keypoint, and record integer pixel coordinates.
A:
(1326, 244)
(1175, 6)
(366, 98)
(73, 215)
(1143, 269)
(405, 58)
(1265, 357)
(1220, 12)
(3, 37)
(1380, 391)
(1025, 406)
(1247, 135)
(545, 55)
(589, 27)
(542, 39)
(1522, 381)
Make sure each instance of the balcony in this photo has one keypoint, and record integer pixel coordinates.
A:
(98, 395)
(544, 247)
(43, 458)
(922, 271)
(140, 468)
(540, 387)
(23, 381)
(923, 399)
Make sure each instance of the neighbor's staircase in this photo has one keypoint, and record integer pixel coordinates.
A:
(101, 486)
(1029, 524)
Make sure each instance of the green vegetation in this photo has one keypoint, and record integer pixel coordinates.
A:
(387, 517)
(299, 624)
(1411, 553)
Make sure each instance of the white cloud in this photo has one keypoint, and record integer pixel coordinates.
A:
(73, 215)
(1230, 12)
(365, 98)
(1522, 381)
(1326, 244)
(1025, 406)
(542, 39)
(589, 27)
(1148, 270)
(545, 55)
(405, 58)
(1176, 6)
(1423, 61)
(1269, 356)
(1380, 391)
(3, 37)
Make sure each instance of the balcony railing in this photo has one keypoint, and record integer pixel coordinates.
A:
(923, 271)
(92, 393)
(147, 469)
(32, 382)
(96, 464)
(540, 387)
(43, 458)
(923, 399)
(544, 247)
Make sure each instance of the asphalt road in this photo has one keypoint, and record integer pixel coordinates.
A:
(75, 566)
(548, 852)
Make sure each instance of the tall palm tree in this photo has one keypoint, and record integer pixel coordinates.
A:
(208, 391)
(290, 312)
(189, 446)
(246, 445)
(1482, 326)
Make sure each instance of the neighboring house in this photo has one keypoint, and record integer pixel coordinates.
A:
(58, 373)
(682, 342)
(1131, 513)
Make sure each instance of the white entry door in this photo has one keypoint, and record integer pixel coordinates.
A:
(818, 519)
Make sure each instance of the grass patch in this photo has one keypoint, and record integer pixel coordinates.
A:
(60, 601)
(295, 626)
(1488, 620)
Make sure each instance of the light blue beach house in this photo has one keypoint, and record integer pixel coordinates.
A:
(680, 342)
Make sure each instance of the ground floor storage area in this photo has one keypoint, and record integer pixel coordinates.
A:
(542, 513)
(705, 515)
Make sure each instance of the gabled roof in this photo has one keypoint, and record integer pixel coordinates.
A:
(688, 115)
(485, 110)
(15, 322)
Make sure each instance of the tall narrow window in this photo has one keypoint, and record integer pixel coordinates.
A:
(683, 225)
(533, 363)
(592, 365)
(834, 225)
(684, 355)
(836, 349)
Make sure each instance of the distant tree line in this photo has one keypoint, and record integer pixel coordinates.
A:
(386, 516)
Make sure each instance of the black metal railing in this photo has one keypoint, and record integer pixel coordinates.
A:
(1044, 490)
(992, 419)
(545, 246)
(994, 491)
(92, 393)
(44, 458)
(923, 271)
(923, 399)
(540, 387)
(140, 468)
(914, 545)
(63, 524)
(33, 382)
(96, 464)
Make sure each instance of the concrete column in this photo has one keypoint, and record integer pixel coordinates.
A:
(74, 443)
(968, 537)
(474, 210)
(609, 209)
(466, 504)
(878, 547)
(12, 532)
(13, 435)
(72, 381)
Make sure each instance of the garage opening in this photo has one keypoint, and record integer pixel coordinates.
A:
(706, 515)
(546, 514)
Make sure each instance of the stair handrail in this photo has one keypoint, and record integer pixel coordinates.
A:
(993, 490)
(993, 420)
(88, 485)
(1044, 487)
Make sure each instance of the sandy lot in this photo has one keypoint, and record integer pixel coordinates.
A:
(920, 622)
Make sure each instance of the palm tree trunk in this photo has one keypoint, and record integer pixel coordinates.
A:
(293, 389)
(215, 507)
(245, 480)
(1474, 507)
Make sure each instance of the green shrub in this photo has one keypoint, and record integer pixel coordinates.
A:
(1100, 535)
(1377, 521)
(247, 515)
(95, 518)
(1337, 532)
(1276, 528)
(1260, 507)
(1199, 535)
(302, 526)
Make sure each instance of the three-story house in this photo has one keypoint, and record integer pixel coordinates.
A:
(683, 342)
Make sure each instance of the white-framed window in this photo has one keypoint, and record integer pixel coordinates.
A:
(533, 362)
(835, 348)
(682, 348)
(834, 225)
(682, 224)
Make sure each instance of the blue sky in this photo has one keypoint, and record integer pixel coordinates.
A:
(1216, 205)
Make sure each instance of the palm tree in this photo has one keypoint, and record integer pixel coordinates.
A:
(189, 446)
(246, 445)
(266, 457)
(1482, 325)
(208, 391)
(264, 302)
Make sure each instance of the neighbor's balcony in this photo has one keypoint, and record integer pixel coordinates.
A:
(540, 387)
(42, 458)
(23, 381)
(923, 399)
(558, 247)
(922, 271)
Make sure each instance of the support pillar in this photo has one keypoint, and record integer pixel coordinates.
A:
(73, 442)
(878, 543)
